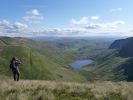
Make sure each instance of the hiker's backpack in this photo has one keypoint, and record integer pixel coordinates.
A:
(11, 65)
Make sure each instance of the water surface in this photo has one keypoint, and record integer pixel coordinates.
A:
(81, 63)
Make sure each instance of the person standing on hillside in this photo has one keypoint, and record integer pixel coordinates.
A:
(15, 69)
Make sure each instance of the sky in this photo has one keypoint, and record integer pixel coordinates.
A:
(66, 18)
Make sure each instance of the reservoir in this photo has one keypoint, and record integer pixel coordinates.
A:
(81, 63)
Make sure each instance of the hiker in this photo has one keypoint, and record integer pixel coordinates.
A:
(14, 66)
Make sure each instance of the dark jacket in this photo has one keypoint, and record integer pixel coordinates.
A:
(14, 64)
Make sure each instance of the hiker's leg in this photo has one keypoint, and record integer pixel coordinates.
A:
(14, 74)
(18, 74)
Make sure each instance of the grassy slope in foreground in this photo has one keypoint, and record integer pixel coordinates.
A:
(52, 90)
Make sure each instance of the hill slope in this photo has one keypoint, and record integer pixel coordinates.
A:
(35, 65)
(116, 65)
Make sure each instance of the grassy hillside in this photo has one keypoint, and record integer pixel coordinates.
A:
(52, 90)
(127, 69)
(35, 65)
(107, 69)
(114, 64)
(50, 60)
(109, 66)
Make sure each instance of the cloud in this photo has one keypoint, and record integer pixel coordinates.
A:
(94, 17)
(81, 21)
(84, 20)
(110, 25)
(116, 10)
(79, 32)
(33, 16)
(33, 12)
(61, 32)
(9, 28)
(14, 29)
(4, 23)
(18, 25)
(93, 26)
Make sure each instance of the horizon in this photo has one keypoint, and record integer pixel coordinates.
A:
(66, 18)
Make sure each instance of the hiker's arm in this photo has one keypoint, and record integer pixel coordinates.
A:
(18, 61)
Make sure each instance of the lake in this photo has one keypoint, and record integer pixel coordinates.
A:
(81, 63)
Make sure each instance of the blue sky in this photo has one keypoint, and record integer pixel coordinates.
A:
(66, 17)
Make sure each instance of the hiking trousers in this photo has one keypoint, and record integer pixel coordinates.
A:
(16, 74)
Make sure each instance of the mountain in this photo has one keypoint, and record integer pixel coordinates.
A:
(50, 60)
(125, 50)
(125, 47)
(37, 62)
(114, 64)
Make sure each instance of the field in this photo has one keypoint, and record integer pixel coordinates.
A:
(53, 90)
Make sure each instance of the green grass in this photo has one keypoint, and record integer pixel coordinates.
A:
(63, 58)
(53, 90)
(106, 70)
(49, 60)
(35, 64)
(46, 61)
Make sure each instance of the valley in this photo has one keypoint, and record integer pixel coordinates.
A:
(66, 50)
(41, 59)
(50, 60)
(46, 73)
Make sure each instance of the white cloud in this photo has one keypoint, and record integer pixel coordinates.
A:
(33, 16)
(84, 20)
(61, 32)
(93, 26)
(94, 17)
(9, 28)
(33, 12)
(110, 25)
(19, 25)
(16, 27)
(19, 29)
(116, 10)
(79, 32)
(117, 22)
(4, 23)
